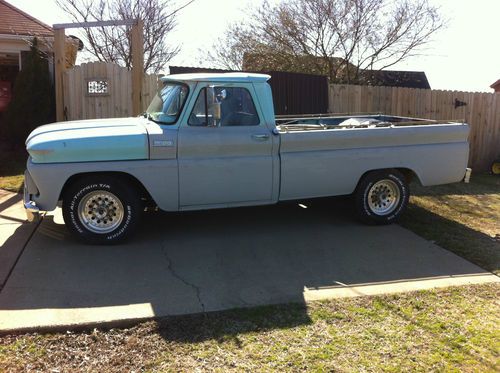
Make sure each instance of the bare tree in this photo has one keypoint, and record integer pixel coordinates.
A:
(112, 44)
(340, 38)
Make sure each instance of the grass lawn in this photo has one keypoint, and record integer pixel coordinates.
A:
(12, 166)
(453, 329)
(463, 218)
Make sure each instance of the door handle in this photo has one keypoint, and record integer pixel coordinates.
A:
(260, 137)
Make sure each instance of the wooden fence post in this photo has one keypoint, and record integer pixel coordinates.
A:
(60, 68)
(137, 67)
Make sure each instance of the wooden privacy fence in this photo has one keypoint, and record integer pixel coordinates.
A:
(480, 110)
(293, 93)
(102, 90)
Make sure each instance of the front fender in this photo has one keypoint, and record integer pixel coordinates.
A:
(159, 178)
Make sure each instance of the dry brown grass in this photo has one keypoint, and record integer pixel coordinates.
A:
(12, 166)
(453, 329)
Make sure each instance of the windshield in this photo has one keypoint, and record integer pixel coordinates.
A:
(168, 102)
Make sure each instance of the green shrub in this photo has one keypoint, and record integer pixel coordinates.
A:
(33, 102)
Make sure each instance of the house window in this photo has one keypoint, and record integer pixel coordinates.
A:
(98, 87)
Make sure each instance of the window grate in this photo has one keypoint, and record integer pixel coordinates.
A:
(98, 87)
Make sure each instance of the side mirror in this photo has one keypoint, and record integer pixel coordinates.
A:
(221, 95)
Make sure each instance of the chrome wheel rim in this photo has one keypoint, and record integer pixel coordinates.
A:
(100, 211)
(383, 197)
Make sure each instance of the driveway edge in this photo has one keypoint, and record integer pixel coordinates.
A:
(60, 320)
(394, 287)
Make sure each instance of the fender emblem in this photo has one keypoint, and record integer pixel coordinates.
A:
(164, 143)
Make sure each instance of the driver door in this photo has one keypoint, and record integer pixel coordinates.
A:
(225, 150)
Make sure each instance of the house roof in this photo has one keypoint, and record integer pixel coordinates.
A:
(496, 84)
(393, 78)
(317, 65)
(388, 78)
(14, 21)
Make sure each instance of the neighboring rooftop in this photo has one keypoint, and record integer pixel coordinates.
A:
(275, 61)
(14, 21)
(496, 85)
(388, 78)
(218, 77)
(393, 78)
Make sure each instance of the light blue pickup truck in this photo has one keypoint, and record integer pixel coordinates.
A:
(213, 141)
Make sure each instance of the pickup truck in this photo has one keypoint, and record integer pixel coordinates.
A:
(212, 141)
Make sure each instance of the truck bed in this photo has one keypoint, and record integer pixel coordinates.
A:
(320, 122)
(328, 155)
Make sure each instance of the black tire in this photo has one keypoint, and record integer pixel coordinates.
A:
(381, 197)
(107, 198)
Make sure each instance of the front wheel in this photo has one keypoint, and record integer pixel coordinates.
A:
(101, 210)
(381, 197)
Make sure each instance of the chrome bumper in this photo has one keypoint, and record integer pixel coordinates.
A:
(32, 211)
(468, 172)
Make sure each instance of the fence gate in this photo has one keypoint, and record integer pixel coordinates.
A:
(102, 90)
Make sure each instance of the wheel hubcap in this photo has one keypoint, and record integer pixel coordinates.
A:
(100, 211)
(383, 197)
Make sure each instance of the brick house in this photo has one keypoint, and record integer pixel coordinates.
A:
(17, 30)
(496, 86)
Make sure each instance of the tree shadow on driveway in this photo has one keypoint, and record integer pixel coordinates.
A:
(15, 232)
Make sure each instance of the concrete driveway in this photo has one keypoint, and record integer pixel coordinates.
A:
(220, 259)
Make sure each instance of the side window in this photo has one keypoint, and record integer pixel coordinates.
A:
(224, 106)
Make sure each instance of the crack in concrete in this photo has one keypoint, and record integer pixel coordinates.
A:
(180, 278)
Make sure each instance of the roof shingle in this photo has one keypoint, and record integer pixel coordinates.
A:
(496, 84)
(14, 21)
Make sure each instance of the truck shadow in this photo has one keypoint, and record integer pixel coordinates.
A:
(200, 262)
(480, 184)
(468, 243)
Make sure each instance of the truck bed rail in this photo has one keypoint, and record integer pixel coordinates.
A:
(315, 123)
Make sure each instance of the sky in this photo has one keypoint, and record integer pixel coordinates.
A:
(465, 56)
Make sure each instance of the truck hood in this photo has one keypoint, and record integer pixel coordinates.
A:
(89, 140)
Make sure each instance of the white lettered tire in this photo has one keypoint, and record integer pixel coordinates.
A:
(101, 209)
(381, 197)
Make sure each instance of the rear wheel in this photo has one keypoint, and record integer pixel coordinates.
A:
(381, 197)
(101, 209)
